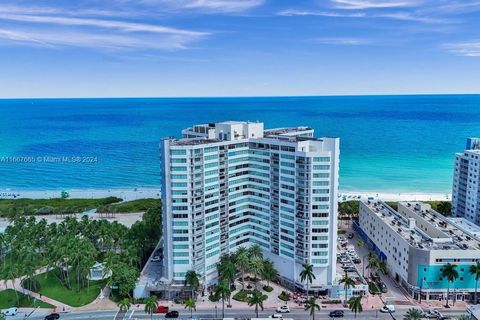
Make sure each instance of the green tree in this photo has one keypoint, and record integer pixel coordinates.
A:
(475, 271)
(413, 314)
(307, 275)
(372, 262)
(312, 305)
(445, 208)
(269, 273)
(255, 251)
(256, 267)
(223, 291)
(151, 305)
(124, 305)
(355, 305)
(243, 262)
(450, 272)
(257, 300)
(192, 280)
(125, 277)
(191, 305)
(347, 284)
(464, 317)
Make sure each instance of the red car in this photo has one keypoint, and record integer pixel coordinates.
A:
(161, 309)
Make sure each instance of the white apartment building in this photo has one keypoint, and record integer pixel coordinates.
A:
(233, 184)
(466, 182)
(417, 242)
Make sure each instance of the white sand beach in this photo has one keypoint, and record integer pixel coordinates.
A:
(142, 193)
(125, 194)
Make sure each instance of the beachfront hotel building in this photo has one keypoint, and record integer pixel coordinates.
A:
(466, 182)
(417, 242)
(233, 184)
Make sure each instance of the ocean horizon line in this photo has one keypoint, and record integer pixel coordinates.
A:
(244, 97)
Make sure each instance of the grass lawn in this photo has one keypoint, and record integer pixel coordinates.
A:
(8, 299)
(52, 287)
(11, 207)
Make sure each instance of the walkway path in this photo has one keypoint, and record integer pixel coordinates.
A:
(17, 286)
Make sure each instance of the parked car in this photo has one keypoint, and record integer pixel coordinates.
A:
(383, 287)
(350, 235)
(276, 316)
(52, 316)
(432, 314)
(350, 269)
(155, 259)
(336, 314)
(388, 308)
(161, 309)
(10, 311)
(356, 260)
(171, 314)
(283, 309)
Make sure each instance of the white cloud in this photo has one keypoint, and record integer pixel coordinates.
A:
(373, 4)
(298, 12)
(208, 6)
(403, 15)
(343, 41)
(111, 24)
(55, 38)
(467, 48)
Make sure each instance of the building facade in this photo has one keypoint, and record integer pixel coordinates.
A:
(417, 242)
(466, 180)
(233, 184)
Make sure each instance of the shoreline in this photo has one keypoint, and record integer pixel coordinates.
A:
(128, 194)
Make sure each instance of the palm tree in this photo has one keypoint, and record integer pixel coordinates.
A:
(243, 262)
(257, 267)
(269, 272)
(255, 251)
(256, 300)
(475, 270)
(355, 305)
(372, 262)
(464, 317)
(124, 305)
(192, 280)
(413, 314)
(190, 305)
(222, 290)
(450, 272)
(312, 305)
(382, 267)
(151, 305)
(347, 284)
(307, 275)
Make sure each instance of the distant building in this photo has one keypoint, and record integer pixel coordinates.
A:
(466, 182)
(233, 184)
(417, 242)
(98, 272)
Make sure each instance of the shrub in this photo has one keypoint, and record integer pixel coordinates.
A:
(267, 288)
(242, 295)
(284, 296)
(213, 297)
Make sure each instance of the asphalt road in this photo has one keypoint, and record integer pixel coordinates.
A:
(237, 313)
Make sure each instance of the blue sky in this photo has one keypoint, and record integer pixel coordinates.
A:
(115, 48)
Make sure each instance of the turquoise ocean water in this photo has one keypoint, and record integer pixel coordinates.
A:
(388, 143)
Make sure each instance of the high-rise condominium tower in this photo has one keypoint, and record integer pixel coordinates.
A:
(466, 182)
(233, 184)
